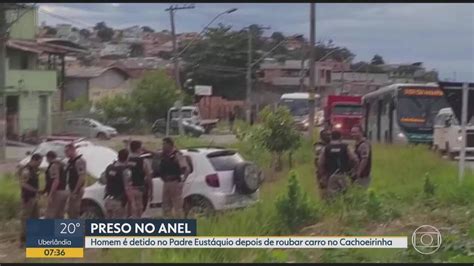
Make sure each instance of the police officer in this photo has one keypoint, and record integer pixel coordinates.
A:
(141, 179)
(29, 190)
(363, 151)
(55, 187)
(335, 165)
(76, 179)
(118, 180)
(173, 170)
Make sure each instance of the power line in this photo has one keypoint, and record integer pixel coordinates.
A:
(64, 18)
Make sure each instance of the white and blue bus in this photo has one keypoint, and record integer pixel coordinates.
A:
(402, 113)
(299, 105)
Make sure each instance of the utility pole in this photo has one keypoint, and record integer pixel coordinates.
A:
(312, 87)
(248, 78)
(171, 10)
(3, 41)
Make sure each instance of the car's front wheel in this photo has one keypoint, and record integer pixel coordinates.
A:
(195, 207)
(90, 210)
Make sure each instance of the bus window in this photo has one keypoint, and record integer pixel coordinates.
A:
(415, 111)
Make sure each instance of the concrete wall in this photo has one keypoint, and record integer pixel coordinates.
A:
(110, 83)
(74, 88)
(26, 26)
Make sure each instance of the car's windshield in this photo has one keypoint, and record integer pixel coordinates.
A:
(347, 109)
(298, 107)
(45, 147)
(414, 111)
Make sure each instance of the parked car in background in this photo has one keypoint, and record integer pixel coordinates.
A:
(159, 127)
(447, 134)
(220, 179)
(90, 128)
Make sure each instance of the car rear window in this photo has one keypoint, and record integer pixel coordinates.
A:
(224, 160)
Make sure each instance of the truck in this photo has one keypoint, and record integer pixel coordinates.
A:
(192, 122)
(342, 112)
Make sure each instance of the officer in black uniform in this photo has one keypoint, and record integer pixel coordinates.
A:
(141, 179)
(336, 163)
(117, 186)
(55, 187)
(29, 191)
(76, 178)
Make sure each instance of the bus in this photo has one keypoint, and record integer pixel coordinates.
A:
(299, 106)
(402, 113)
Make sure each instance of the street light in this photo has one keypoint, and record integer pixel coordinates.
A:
(181, 130)
(250, 65)
(205, 28)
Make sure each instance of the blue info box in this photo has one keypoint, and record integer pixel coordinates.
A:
(140, 227)
(49, 233)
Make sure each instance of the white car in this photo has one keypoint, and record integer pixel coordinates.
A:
(97, 157)
(220, 180)
(89, 128)
(447, 134)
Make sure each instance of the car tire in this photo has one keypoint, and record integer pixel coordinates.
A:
(197, 206)
(90, 210)
(101, 136)
(247, 178)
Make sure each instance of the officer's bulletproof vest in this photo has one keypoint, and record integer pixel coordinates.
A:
(114, 186)
(72, 174)
(336, 158)
(366, 170)
(169, 167)
(62, 177)
(138, 175)
(32, 181)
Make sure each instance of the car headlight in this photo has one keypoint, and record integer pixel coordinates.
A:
(338, 125)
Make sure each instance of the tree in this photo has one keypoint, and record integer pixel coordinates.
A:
(278, 36)
(278, 133)
(147, 29)
(103, 32)
(219, 60)
(79, 104)
(119, 106)
(377, 60)
(137, 50)
(155, 93)
(85, 33)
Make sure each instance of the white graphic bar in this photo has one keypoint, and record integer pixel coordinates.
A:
(246, 242)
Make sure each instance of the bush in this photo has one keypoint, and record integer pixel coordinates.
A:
(155, 93)
(9, 197)
(277, 133)
(79, 104)
(294, 209)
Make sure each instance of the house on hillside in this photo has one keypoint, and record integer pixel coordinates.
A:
(137, 67)
(276, 78)
(409, 73)
(29, 86)
(96, 83)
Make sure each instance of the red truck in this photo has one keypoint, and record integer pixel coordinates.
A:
(342, 112)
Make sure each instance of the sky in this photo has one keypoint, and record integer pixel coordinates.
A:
(441, 35)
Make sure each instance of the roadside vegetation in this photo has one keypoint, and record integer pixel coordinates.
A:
(411, 187)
